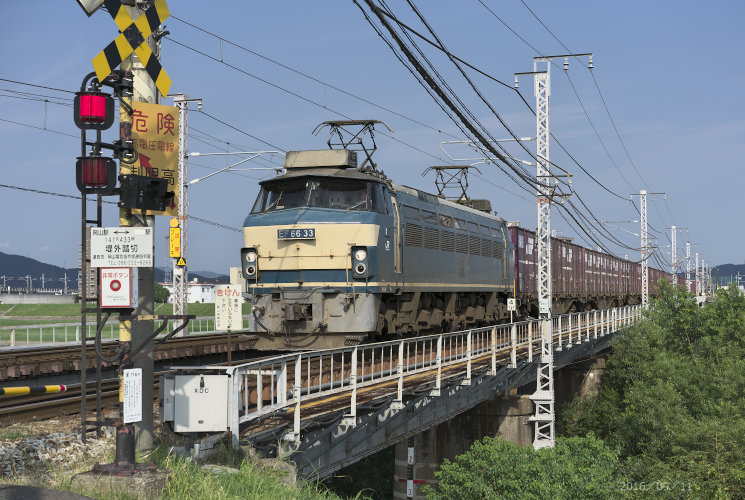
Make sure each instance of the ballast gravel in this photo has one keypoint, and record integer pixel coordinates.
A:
(30, 455)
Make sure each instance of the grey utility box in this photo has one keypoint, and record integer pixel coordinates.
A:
(195, 403)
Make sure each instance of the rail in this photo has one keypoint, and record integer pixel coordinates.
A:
(283, 385)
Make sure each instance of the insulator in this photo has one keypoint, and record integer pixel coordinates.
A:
(566, 63)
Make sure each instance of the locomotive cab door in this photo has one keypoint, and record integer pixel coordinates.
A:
(397, 266)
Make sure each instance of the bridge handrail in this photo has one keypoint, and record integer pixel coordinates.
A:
(281, 384)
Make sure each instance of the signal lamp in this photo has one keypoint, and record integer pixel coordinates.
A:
(142, 192)
(95, 174)
(93, 110)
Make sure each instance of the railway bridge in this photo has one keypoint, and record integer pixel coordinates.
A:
(328, 409)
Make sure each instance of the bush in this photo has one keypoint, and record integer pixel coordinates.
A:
(578, 467)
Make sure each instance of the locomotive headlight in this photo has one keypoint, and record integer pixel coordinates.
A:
(249, 266)
(359, 262)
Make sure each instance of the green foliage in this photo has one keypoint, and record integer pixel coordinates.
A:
(371, 477)
(578, 467)
(672, 396)
(161, 293)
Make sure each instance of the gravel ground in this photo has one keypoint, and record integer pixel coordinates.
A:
(48, 451)
(34, 451)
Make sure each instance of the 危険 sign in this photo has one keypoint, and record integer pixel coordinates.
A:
(228, 300)
(121, 247)
(155, 137)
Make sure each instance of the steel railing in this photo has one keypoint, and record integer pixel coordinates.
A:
(283, 384)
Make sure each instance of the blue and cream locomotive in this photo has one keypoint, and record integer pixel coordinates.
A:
(334, 255)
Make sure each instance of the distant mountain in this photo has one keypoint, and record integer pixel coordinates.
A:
(18, 266)
(729, 270)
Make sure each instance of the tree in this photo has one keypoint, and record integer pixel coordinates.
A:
(671, 399)
(578, 467)
(161, 293)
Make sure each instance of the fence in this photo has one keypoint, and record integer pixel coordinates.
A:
(262, 387)
(67, 333)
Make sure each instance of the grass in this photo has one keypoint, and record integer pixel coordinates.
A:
(12, 434)
(45, 310)
(5, 307)
(248, 480)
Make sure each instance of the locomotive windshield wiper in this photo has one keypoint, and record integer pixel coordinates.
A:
(274, 202)
(363, 202)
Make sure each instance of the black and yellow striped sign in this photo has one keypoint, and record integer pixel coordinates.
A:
(133, 38)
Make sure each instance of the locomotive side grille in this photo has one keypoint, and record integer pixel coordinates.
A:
(474, 245)
(413, 235)
(447, 241)
(431, 238)
(497, 250)
(461, 243)
(486, 248)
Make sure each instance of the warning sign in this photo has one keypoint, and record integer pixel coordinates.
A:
(132, 382)
(174, 242)
(228, 300)
(155, 137)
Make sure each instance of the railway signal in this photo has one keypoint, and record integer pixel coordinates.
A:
(93, 110)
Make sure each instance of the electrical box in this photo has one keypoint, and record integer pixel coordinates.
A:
(195, 403)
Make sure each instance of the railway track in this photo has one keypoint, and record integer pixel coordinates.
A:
(33, 362)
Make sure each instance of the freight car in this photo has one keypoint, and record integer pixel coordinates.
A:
(582, 279)
(335, 255)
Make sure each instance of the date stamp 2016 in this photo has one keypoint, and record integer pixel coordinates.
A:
(681, 486)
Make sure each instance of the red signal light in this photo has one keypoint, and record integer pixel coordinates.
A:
(95, 174)
(94, 171)
(94, 110)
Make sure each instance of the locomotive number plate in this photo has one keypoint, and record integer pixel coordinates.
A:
(296, 234)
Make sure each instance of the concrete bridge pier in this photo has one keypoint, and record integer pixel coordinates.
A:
(505, 416)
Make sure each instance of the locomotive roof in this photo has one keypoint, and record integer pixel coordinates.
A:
(340, 173)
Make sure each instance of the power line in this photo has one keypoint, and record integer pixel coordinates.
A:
(36, 85)
(63, 195)
(305, 75)
(600, 93)
(39, 128)
(295, 94)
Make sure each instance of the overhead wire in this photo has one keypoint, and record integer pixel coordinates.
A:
(78, 197)
(430, 81)
(295, 94)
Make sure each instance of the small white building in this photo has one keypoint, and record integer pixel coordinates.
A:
(197, 292)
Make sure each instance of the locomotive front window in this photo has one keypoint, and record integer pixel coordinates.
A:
(321, 193)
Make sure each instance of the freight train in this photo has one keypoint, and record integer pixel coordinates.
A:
(335, 255)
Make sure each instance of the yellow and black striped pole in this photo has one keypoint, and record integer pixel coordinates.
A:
(32, 389)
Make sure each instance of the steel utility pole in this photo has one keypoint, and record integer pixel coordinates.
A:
(674, 232)
(688, 262)
(180, 273)
(543, 397)
(644, 244)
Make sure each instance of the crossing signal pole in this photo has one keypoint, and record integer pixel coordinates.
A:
(543, 398)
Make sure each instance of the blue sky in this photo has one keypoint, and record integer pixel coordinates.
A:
(671, 74)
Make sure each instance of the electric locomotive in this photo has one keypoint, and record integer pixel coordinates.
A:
(335, 255)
